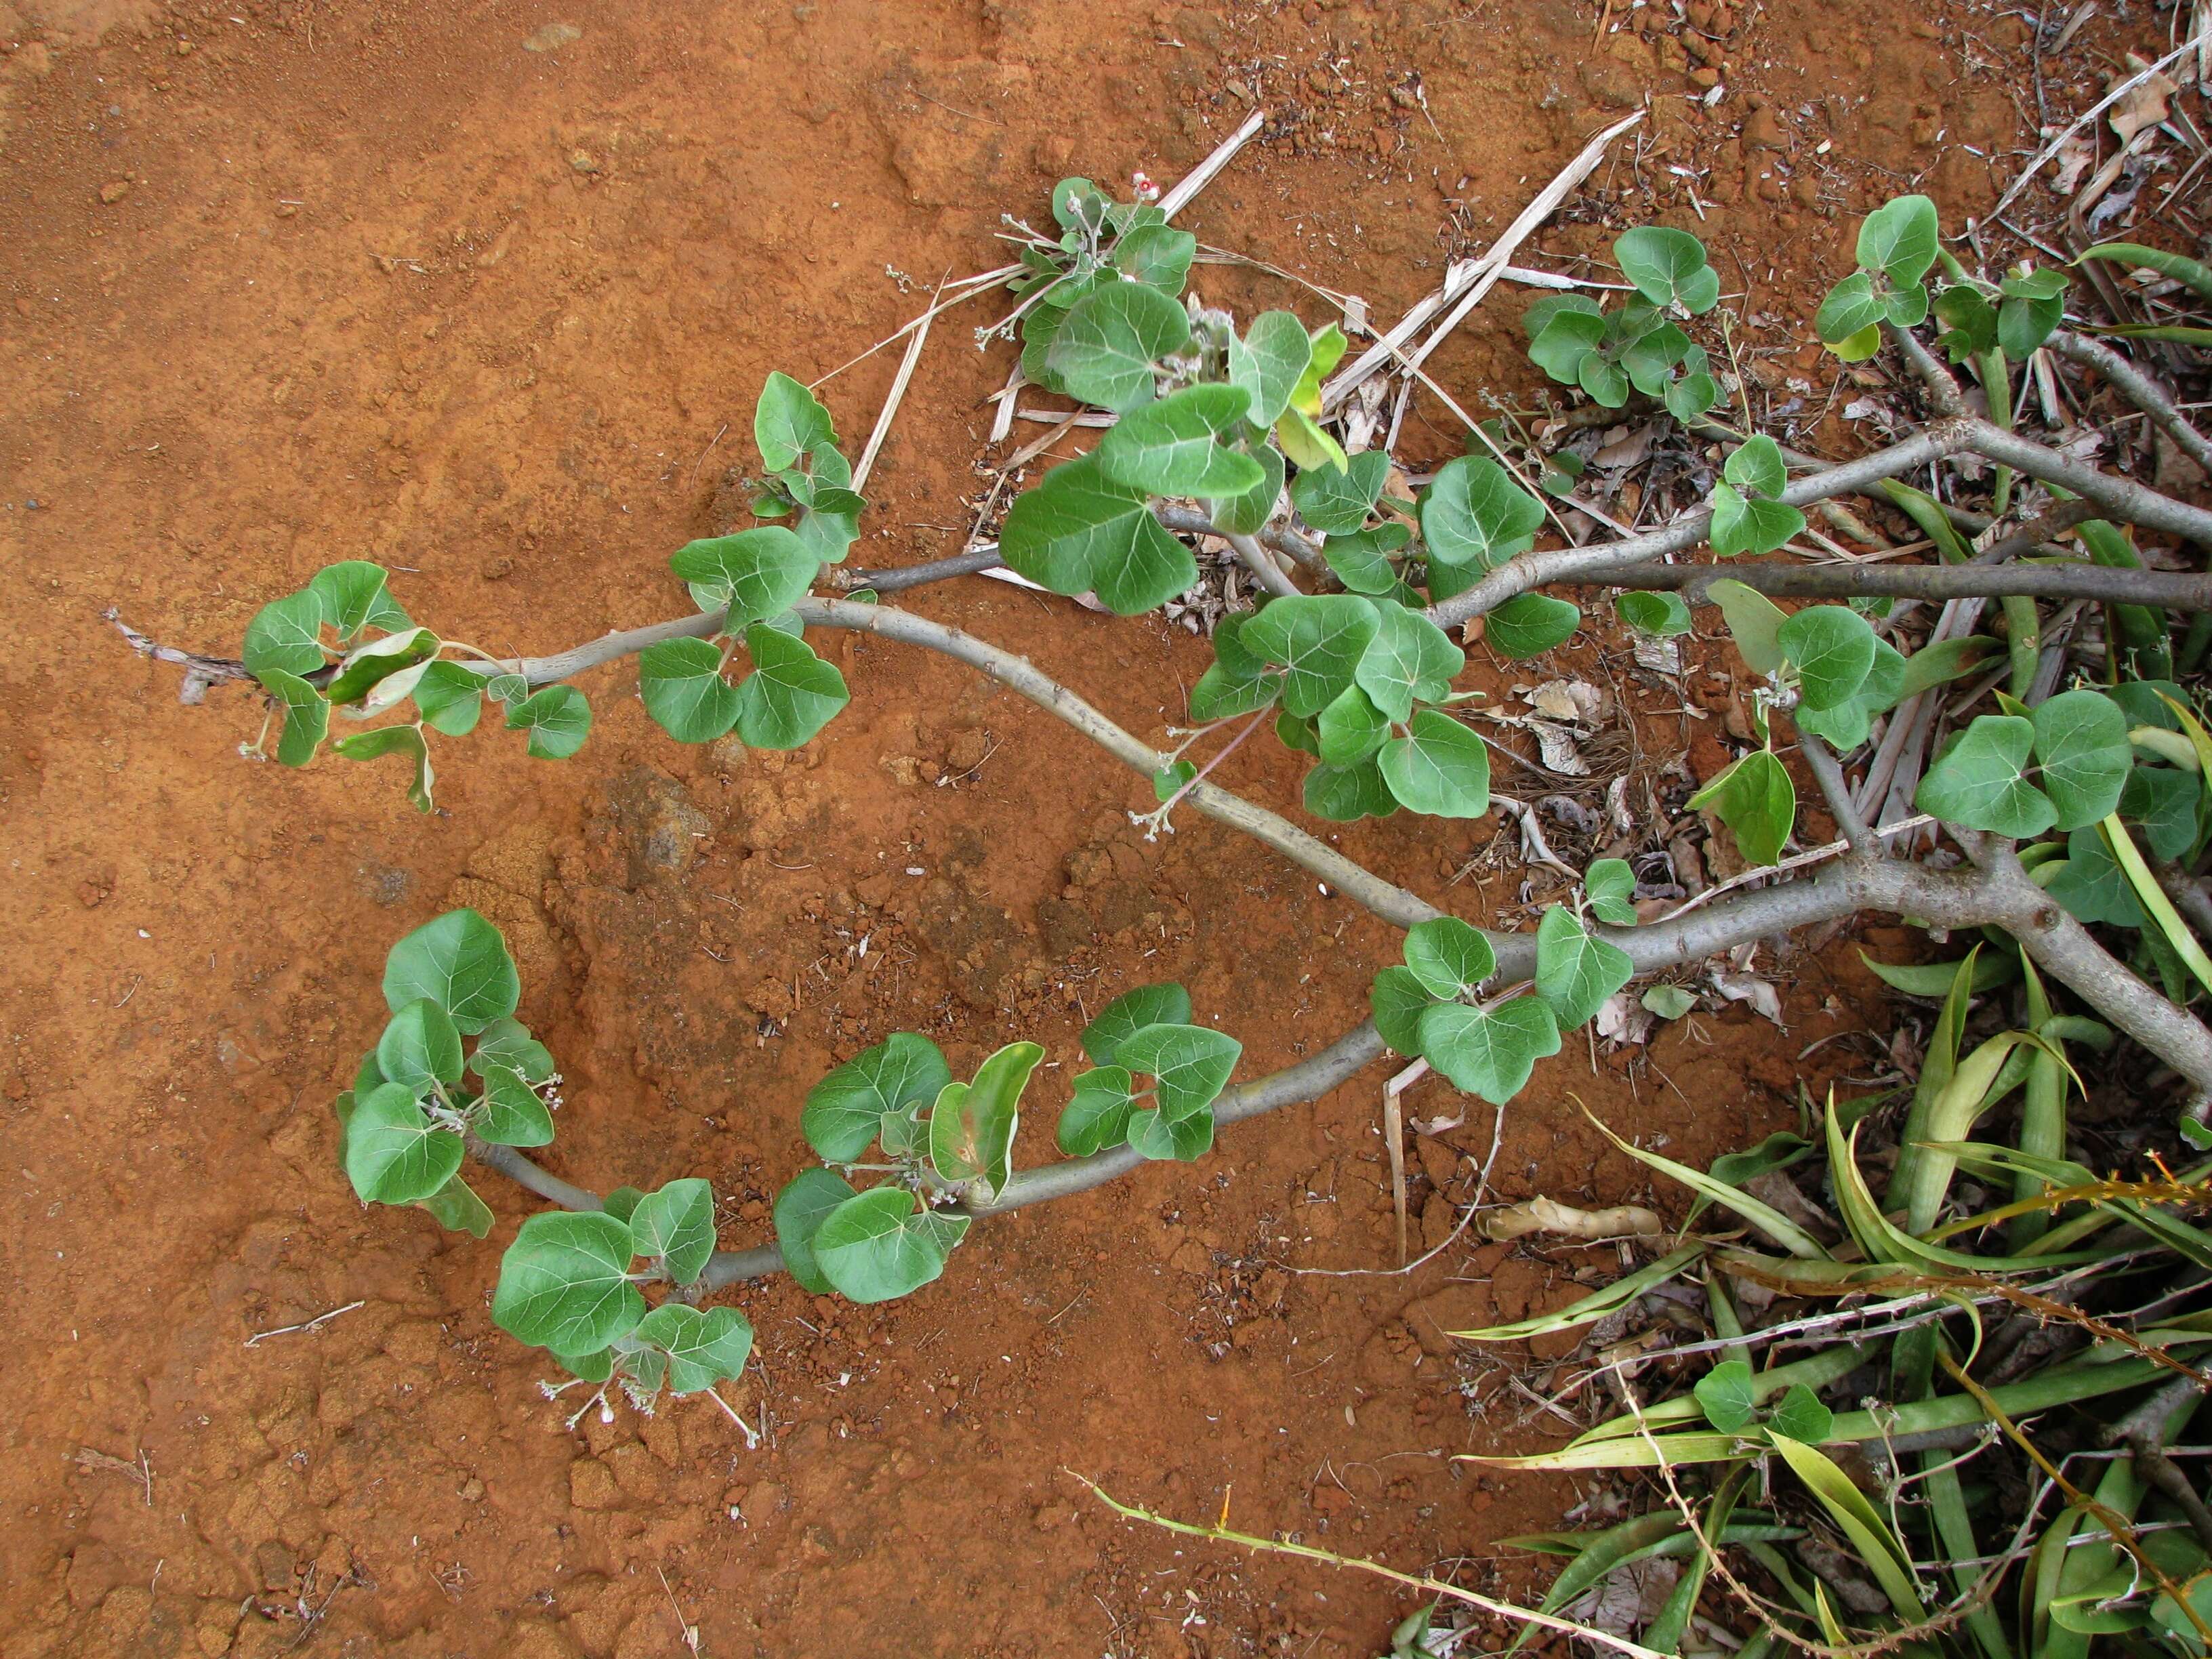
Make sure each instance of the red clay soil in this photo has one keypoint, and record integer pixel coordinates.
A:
(291, 282)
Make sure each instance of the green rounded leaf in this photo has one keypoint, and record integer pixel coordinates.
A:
(506, 1045)
(1336, 500)
(800, 1208)
(790, 696)
(451, 697)
(1980, 781)
(286, 633)
(1610, 886)
(564, 1283)
(1173, 447)
(1269, 362)
(1351, 728)
(510, 1113)
(1397, 999)
(1439, 767)
(1409, 660)
(1104, 350)
(1157, 254)
(307, 715)
(756, 574)
(682, 684)
(788, 422)
(420, 1046)
(875, 1246)
(353, 596)
(404, 740)
(1750, 524)
(1574, 971)
(1851, 310)
(1248, 514)
(1664, 616)
(702, 1347)
(1757, 466)
(677, 1225)
(1757, 801)
(1489, 1052)
(459, 961)
(1448, 958)
(1191, 1064)
(393, 1153)
(1361, 560)
(1097, 1116)
(2081, 742)
(1129, 1013)
(456, 1207)
(1079, 532)
(1156, 1135)
(1529, 624)
(1726, 1396)
(1344, 793)
(1473, 513)
(558, 720)
(1832, 648)
(1318, 639)
(1899, 239)
(1668, 267)
(844, 1111)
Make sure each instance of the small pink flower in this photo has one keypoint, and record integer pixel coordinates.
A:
(1142, 183)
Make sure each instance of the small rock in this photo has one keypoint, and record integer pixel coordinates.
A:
(553, 37)
(591, 1485)
(584, 161)
(114, 190)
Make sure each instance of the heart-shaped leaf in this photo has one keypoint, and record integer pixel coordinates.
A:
(1529, 624)
(789, 422)
(876, 1246)
(393, 1153)
(845, 1110)
(1472, 513)
(1079, 532)
(558, 719)
(1336, 500)
(1980, 781)
(564, 1283)
(1757, 801)
(1098, 1116)
(677, 1225)
(420, 1046)
(790, 696)
(682, 684)
(701, 1346)
(2082, 741)
(459, 961)
(757, 574)
(1448, 958)
(1190, 1064)
(1574, 971)
(1103, 352)
(1318, 639)
(1397, 999)
(1439, 767)
(1410, 659)
(1173, 447)
(1269, 362)
(1833, 650)
(1489, 1052)
(800, 1208)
